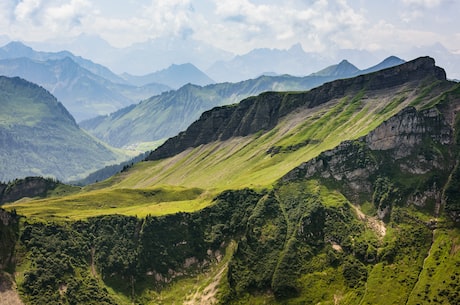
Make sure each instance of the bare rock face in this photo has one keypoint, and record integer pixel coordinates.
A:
(8, 231)
(407, 129)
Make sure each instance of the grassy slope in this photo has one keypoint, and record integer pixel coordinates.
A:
(236, 163)
(40, 138)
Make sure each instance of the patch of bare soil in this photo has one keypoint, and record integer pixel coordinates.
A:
(373, 223)
(208, 295)
(8, 292)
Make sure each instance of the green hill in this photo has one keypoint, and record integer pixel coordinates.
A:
(345, 194)
(40, 138)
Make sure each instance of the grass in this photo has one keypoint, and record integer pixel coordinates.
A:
(233, 164)
(134, 202)
(439, 280)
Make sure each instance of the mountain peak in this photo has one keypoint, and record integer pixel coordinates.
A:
(17, 48)
(344, 68)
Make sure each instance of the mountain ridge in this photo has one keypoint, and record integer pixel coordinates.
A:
(256, 116)
(163, 116)
(175, 76)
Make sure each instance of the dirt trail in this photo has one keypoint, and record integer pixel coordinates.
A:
(375, 224)
(93, 265)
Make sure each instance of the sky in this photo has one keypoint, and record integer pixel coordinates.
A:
(239, 26)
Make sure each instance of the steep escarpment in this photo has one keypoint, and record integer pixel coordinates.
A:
(263, 112)
(9, 230)
(9, 234)
(408, 158)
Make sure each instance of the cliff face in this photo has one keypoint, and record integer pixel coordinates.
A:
(264, 111)
(409, 146)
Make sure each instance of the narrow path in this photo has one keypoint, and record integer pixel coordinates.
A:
(423, 266)
(93, 265)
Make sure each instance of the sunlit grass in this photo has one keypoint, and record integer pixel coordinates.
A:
(233, 164)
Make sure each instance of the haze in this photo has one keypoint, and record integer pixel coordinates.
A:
(217, 30)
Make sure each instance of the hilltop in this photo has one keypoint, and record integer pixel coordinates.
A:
(40, 138)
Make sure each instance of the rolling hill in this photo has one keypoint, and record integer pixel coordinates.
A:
(40, 138)
(163, 116)
(338, 195)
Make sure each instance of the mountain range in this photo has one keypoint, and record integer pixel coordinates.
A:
(39, 137)
(160, 53)
(88, 89)
(163, 116)
(338, 195)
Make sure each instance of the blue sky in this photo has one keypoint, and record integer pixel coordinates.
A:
(238, 26)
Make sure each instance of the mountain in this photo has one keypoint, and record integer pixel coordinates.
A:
(386, 63)
(339, 195)
(40, 138)
(87, 89)
(165, 115)
(175, 76)
(294, 61)
(16, 49)
(84, 93)
(343, 69)
(144, 57)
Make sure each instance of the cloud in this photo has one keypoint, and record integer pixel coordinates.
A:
(26, 8)
(316, 24)
(423, 3)
(238, 25)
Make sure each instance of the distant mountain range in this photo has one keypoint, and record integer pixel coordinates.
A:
(163, 116)
(88, 89)
(154, 55)
(39, 137)
(175, 76)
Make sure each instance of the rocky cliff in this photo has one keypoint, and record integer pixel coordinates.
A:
(411, 143)
(264, 111)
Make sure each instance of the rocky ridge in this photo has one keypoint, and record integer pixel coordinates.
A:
(263, 112)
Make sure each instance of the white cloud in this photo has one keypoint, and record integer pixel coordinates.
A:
(26, 9)
(238, 25)
(423, 3)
